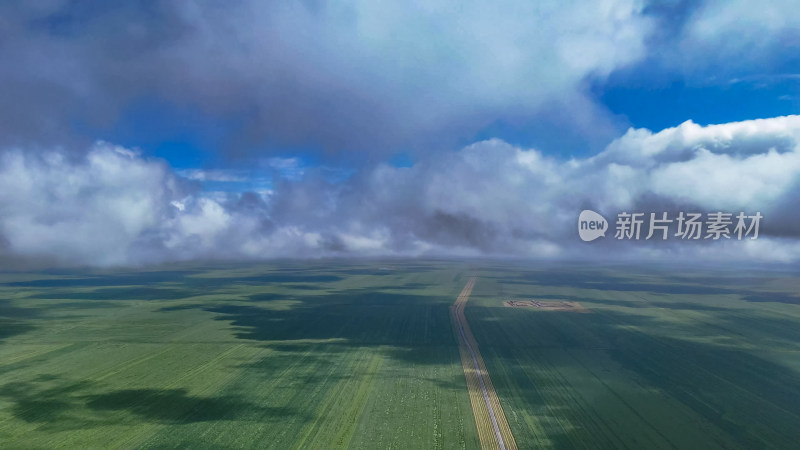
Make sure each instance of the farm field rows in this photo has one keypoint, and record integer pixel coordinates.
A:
(363, 355)
(662, 359)
(236, 357)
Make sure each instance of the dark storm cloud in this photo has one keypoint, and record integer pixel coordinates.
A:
(341, 76)
(358, 75)
(66, 63)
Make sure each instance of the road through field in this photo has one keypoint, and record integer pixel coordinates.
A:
(493, 429)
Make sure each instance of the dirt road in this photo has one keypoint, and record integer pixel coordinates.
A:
(493, 429)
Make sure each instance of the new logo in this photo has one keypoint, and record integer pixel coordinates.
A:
(591, 225)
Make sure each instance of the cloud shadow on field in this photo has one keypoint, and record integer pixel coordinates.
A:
(176, 406)
(750, 289)
(779, 297)
(166, 285)
(639, 304)
(91, 304)
(68, 279)
(12, 328)
(267, 297)
(269, 278)
(125, 293)
(62, 405)
(602, 283)
(15, 320)
(406, 286)
(305, 287)
(33, 403)
(361, 317)
(700, 364)
(315, 362)
(408, 325)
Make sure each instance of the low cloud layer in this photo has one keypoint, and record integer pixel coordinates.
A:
(112, 206)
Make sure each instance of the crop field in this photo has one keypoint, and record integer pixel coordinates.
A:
(338, 354)
(660, 359)
(280, 357)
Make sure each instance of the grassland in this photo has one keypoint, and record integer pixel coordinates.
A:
(662, 359)
(339, 354)
(283, 357)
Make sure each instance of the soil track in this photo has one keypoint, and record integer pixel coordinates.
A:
(493, 429)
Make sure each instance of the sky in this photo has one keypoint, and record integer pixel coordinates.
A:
(149, 132)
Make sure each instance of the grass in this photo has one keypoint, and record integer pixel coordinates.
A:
(360, 356)
(336, 354)
(662, 360)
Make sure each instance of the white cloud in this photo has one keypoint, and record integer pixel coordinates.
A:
(230, 176)
(85, 211)
(727, 36)
(114, 207)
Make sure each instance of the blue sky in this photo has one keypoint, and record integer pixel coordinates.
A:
(636, 97)
(648, 101)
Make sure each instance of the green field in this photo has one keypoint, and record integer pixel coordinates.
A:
(338, 354)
